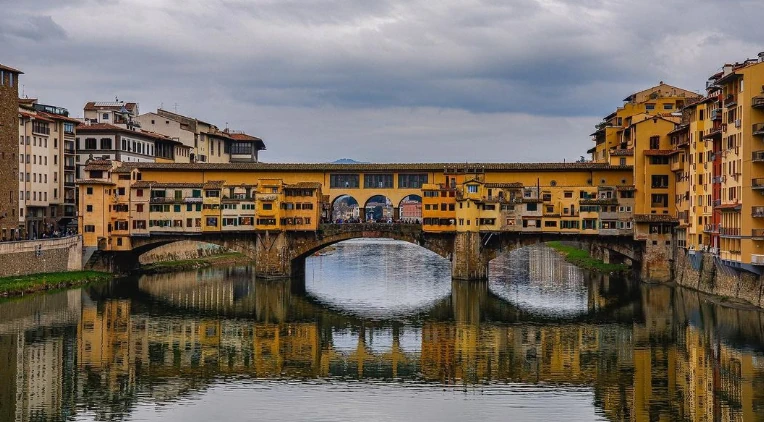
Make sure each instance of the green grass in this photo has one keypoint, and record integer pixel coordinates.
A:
(37, 282)
(581, 258)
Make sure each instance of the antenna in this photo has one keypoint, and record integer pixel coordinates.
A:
(176, 108)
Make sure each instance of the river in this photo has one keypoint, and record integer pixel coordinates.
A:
(378, 331)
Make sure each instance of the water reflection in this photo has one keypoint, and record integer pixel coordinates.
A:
(631, 353)
(393, 285)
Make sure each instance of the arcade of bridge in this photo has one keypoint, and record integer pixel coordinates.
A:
(528, 174)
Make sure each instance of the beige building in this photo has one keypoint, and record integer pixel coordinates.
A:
(47, 200)
(207, 142)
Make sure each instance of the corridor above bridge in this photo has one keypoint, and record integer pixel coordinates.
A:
(280, 203)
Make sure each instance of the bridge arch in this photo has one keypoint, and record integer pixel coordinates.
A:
(410, 209)
(345, 208)
(378, 208)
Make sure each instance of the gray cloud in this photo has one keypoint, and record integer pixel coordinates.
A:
(34, 28)
(345, 78)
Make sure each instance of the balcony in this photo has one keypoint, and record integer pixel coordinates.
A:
(711, 228)
(716, 114)
(758, 129)
(757, 102)
(757, 156)
(757, 212)
(730, 101)
(757, 183)
(678, 165)
(729, 231)
(757, 234)
(193, 200)
(68, 184)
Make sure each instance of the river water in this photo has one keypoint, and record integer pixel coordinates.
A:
(378, 331)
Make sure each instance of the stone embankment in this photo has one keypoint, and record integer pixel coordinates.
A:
(704, 272)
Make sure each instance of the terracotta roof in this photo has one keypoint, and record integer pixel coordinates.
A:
(95, 182)
(35, 116)
(60, 117)
(728, 207)
(145, 184)
(658, 152)
(106, 127)
(304, 185)
(243, 137)
(97, 167)
(10, 69)
(599, 201)
(622, 152)
(655, 218)
(504, 185)
(219, 134)
(325, 167)
(96, 105)
(214, 184)
(680, 129)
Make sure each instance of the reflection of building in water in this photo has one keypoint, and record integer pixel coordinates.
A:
(546, 264)
(31, 383)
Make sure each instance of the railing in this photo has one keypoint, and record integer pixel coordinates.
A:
(193, 200)
(758, 129)
(758, 233)
(729, 231)
(711, 228)
(757, 183)
(757, 102)
(757, 211)
(758, 156)
(730, 100)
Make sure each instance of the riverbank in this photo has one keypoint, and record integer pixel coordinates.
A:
(228, 258)
(582, 259)
(26, 284)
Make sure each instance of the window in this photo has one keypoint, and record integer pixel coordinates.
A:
(211, 222)
(350, 181)
(89, 228)
(105, 116)
(472, 188)
(212, 194)
(105, 143)
(89, 191)
(655, 142)
(89, 208)
(90, 143)
(659, 160)
(378, 181)
(267, 206)
(659, 200)
(622, 161)
(414, 181)
(660, 181)
(650, 106)
(668, 106)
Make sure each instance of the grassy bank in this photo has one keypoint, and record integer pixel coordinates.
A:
(228, 258)
(18, 285)
(581, 258)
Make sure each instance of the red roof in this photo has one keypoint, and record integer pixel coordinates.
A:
(27, 115)
(96, 105)
(105, 127)
(244, 137)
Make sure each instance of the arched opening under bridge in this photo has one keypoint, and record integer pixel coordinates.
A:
(345, 209)
(378, 209)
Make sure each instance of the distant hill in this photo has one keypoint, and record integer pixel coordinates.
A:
(348, 161)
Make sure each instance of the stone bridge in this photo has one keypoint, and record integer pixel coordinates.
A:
(282, 254)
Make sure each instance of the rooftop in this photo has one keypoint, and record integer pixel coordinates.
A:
(10, 69)
(369, 167)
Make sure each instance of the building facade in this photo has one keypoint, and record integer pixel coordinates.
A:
(9, 165)
(47, 201)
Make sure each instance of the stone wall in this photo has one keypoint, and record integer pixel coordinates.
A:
(9, 162)
(178, 251)
(702, 272)
(55, 255)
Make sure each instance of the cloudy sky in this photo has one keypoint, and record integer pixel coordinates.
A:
(378, 80)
